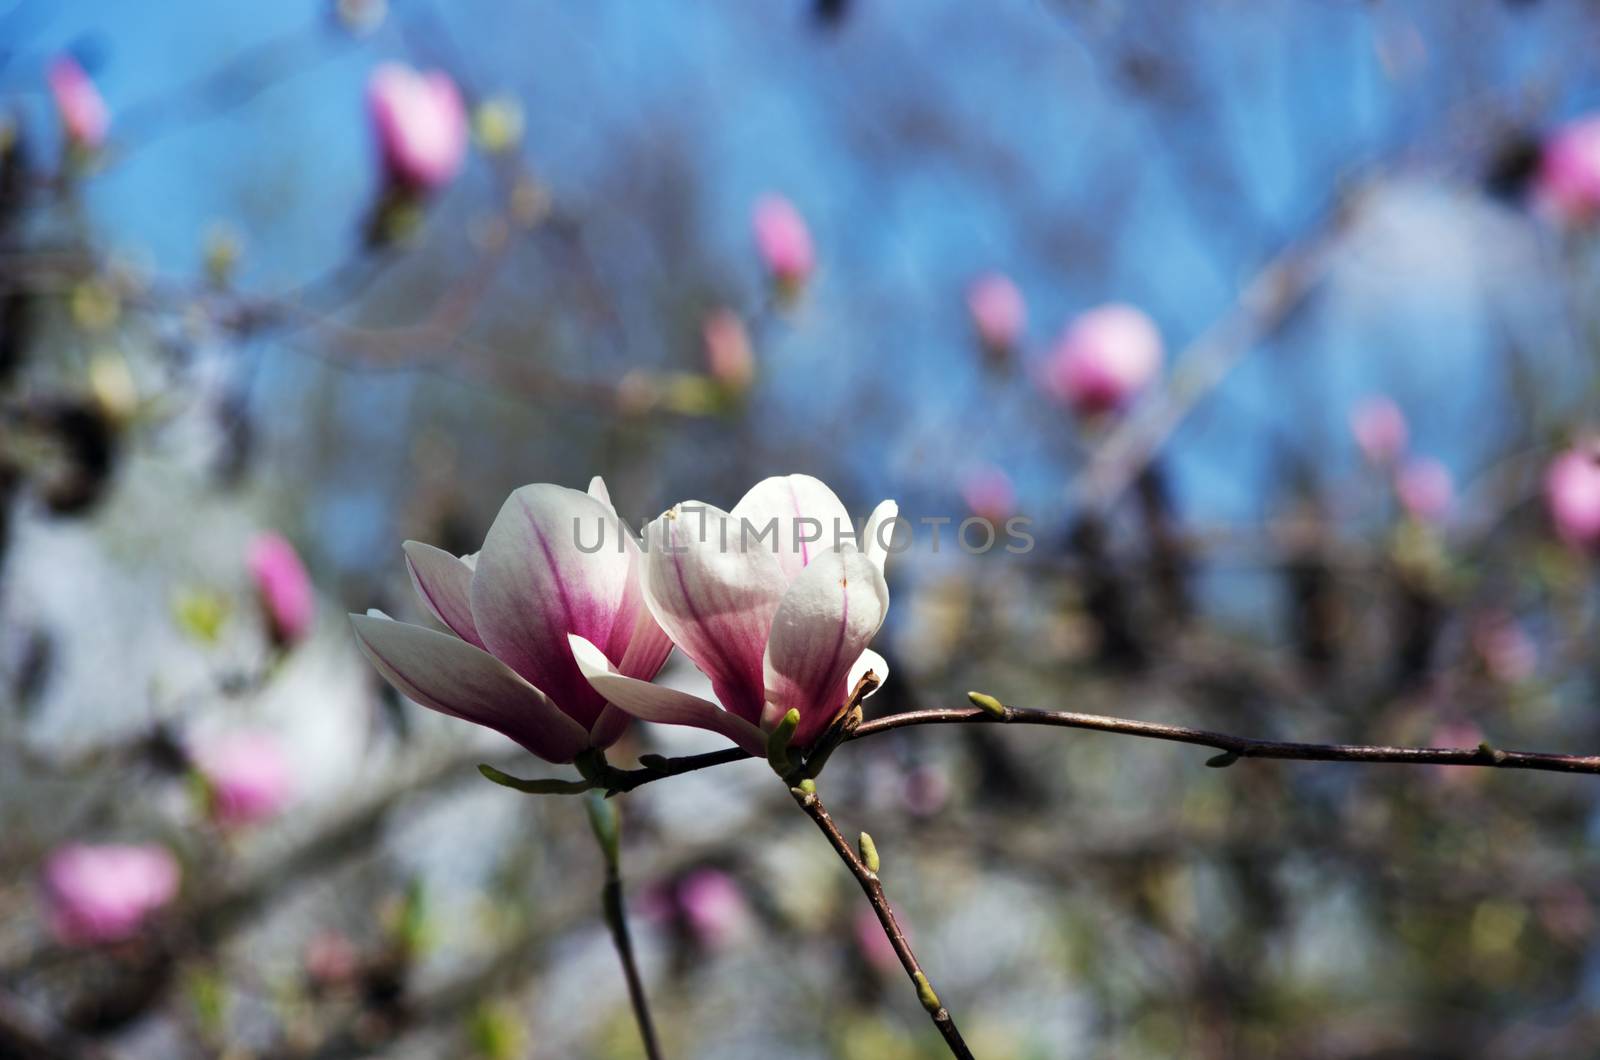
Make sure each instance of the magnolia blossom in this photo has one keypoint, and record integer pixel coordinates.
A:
(998, 312)
(421, 125)
(505, 662)
(1379, 428)
(1572, 494)
(283, 586)
(783, 241)
(1425, 488)
(729, 359)
(246, 774)
(83, 111)
(1104, 359)
(989, 494)
(104, 893)
(1568, 181)
(773, 601)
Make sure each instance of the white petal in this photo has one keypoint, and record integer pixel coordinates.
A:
(880, 522)
(822, 627)
(597, 490)
(805, 516)
(870, 660)
(714, 592)
(453, 677)
(444, 583)
(657, 703)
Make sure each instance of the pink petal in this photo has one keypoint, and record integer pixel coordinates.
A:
(453, 677)
(820, 630)
(714, 591)
(534, 584)
(657, 703)
(444, 584)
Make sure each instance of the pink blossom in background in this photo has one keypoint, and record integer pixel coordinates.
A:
(104, 893)
(247, 775)
(283, 586)
(83, 111)
(331, 958)
(1380, 430)
(783, 240)
(1104, 359)
(1568, 181)
(1456, 734)
(925, 790)
(988, 494)
(729, 359)
(421, 125)
(712, 906)
(1572, 495)
(998, 312)
(1425, 488)
(875, 945)
(1508, 653)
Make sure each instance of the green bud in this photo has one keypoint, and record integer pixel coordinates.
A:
(1491, 752)
(808, 786)
(655, 762)
(1223, 760)
(607, 825)
(542, 786)
(869, 852)
(988, 703)
(778, 742)
(925, 994)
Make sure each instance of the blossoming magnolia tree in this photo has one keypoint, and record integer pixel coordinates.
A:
(1243, 434)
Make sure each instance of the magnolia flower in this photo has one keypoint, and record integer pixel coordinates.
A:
(104, 893)
(729, 359)
(773, 601)
(1104, 359)
(1379, 428)
(1568, 181)
(421, 125)
(83, 111)
(783, 241)
(1572, 494)
(246, 774)
(1425, 488)
(505, 662)
(283, 587)
(998, 313)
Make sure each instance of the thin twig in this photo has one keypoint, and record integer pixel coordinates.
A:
(806, 798)
(606, 821)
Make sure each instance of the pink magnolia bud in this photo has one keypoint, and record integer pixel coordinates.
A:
(712, 906)
(104, 893)
(246, 775)
(998, 312)
(1426, 489)
(1509, 655)
(421, 125)
(1104, 359)
(989, 494)
(1380, 430)
(783, 241)
(283, 586)
(1572, 494)
(729, 359)
(83, 112)
(1568, 181)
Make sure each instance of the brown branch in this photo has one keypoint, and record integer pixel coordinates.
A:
(1232, 747)
(808, 801)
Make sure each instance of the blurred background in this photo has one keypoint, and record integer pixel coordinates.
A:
(271, 304)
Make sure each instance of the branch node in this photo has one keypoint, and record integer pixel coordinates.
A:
(1492, 753)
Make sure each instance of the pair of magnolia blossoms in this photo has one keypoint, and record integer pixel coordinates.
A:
(554, 642)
